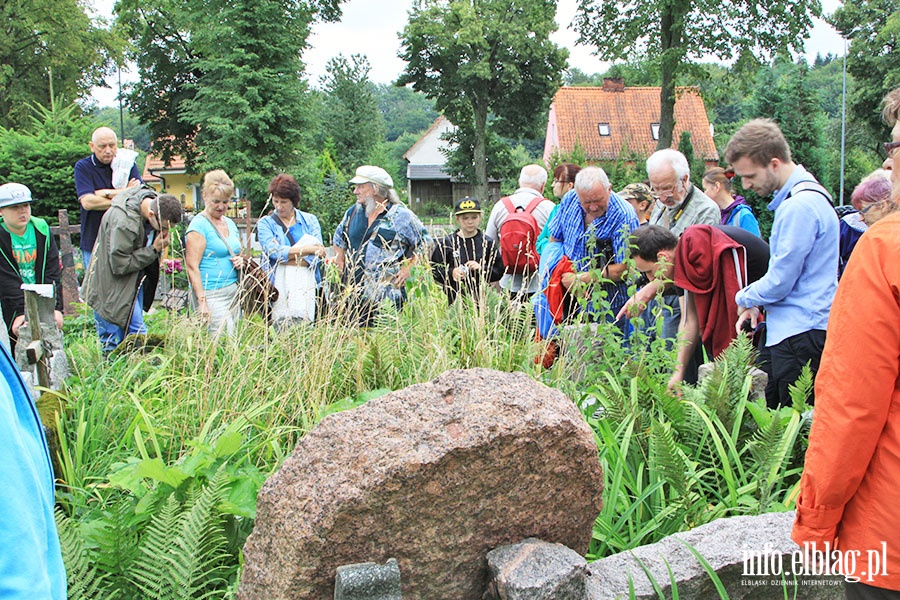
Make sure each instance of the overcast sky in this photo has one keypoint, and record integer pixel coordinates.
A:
(371, 28)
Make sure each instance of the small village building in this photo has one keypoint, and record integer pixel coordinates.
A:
(613, 122)
(428, 184)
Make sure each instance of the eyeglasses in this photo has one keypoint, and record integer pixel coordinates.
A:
(889, 148)
(863, 211)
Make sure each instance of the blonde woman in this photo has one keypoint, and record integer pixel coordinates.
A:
(212, 255)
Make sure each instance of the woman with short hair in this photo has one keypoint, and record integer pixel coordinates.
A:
(291, 241)
(212, 256)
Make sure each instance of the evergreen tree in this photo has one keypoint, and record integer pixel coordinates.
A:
(350, 115)
(221, 82)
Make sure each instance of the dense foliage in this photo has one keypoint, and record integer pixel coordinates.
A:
(50, 51)
(162, 450)
(43, 155)
(488, 65)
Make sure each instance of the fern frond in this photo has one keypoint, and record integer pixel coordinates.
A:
(801, 390)
(151, 569)
(81, 574)
(199, 556)
(668, 459)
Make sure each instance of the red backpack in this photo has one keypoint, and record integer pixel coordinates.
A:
(518, 235)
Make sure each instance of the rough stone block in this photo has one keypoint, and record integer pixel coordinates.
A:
(435, 475)
(536, 570)
(758, 379)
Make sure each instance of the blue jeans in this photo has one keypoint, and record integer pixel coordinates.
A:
(111, 335)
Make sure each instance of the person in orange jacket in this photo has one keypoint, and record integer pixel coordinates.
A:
(849, 488)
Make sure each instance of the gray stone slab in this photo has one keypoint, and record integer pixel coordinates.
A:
(536, 570)
(726, 544)
(368, 581)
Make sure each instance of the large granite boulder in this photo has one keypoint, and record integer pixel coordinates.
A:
(436, 475)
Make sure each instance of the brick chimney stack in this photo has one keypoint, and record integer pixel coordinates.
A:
(613, 84)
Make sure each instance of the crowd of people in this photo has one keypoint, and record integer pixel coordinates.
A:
(698, 260)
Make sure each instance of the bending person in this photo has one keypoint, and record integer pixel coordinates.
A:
(708, 265)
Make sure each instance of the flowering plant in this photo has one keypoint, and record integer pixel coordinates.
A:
(173, 265)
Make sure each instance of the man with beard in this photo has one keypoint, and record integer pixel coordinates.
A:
(797, 290)
(376, 244)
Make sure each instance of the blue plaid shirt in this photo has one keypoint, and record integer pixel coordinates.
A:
(615, 225)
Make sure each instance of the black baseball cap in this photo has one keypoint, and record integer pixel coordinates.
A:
(467, 205)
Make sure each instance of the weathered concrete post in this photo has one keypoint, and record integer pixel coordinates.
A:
(67, 256)
(35, 312)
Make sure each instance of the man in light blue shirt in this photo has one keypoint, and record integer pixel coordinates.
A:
(797, 290)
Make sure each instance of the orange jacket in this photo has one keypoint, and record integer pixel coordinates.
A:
(850, 489)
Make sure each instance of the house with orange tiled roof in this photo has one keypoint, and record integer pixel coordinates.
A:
(173, 178)
(428, 184)
(607, 121)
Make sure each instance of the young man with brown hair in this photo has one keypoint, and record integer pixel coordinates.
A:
(797, 290)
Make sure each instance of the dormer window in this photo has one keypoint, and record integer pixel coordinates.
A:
(603, 129)
(654, 130)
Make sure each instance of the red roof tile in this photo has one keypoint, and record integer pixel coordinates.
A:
(155, 163)
(578, 111)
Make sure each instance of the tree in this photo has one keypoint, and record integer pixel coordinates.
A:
(478, 58)
(678, 31)
(221, 83)
(42, 157)
(350, 115)
(404, 110)
(873, 28)
(50, 50)
(785, 95)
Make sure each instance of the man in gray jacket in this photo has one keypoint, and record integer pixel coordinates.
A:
(125, 248)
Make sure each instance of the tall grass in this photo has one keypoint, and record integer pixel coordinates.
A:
(149, 429)
(180, 434)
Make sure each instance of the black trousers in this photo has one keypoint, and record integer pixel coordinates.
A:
(784, 361)
(861, 591)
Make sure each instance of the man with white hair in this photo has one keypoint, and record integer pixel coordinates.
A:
(94, 187)
(588, 245)
(530, 195)
(679, 203)
(376, 243)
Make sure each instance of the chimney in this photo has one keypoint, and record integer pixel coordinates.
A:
(613, 84)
